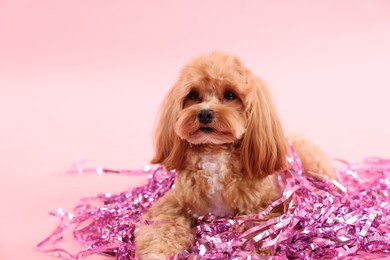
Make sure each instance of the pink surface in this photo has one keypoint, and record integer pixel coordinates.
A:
(84, 80)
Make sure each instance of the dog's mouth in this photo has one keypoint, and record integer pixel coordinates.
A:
(206, 130)
(210, 135)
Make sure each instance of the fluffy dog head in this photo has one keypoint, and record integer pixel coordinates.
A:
(217, 101)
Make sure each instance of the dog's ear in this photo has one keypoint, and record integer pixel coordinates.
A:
(264, 145)
(169, 148)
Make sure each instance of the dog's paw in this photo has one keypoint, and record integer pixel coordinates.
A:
(152, 257)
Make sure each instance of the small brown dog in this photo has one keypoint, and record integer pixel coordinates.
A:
(219, 129)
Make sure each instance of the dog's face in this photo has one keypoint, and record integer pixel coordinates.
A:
(212, 112)
(212, 98)
(216, 100)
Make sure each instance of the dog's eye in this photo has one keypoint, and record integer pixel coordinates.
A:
(229, 95)
(193, 95)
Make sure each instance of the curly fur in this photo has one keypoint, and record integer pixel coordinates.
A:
(226, 165)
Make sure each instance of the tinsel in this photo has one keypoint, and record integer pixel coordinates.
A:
(344, 219)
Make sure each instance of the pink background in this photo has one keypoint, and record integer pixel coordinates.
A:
(84, 80)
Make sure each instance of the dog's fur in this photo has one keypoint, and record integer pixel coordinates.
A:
(226, 158)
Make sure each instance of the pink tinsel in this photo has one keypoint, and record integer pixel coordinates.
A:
(323, 219)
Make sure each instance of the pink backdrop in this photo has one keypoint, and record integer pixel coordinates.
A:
(84, 80)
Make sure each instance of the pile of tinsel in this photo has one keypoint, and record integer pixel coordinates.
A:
(345, 219)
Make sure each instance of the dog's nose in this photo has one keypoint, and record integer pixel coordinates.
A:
(206, 116)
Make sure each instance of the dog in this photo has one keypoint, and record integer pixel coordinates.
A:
(218, 128)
